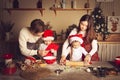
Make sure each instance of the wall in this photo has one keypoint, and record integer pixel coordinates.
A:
(61, 21)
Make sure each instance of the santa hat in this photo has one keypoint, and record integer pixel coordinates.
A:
(77, 37)
(48, 35)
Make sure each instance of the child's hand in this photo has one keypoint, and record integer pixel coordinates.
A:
(53, 51)
(63, 60)
(42, 52)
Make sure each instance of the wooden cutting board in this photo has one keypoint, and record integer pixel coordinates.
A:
(74, 63)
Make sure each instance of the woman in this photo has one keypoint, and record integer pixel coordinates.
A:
(30, 38)
(85, 28)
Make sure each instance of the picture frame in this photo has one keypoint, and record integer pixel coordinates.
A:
(113, 24)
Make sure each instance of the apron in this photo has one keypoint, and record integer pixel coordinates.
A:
(88, 48)
(51, 46)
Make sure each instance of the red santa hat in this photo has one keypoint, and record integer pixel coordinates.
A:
(48, 35)
(77, 37)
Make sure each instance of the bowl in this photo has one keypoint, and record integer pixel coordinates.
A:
(117, 61)
(49, 59)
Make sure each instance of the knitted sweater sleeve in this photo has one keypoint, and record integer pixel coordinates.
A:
(23, 38)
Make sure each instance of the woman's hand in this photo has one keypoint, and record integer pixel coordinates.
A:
(42, 52)
(87, 59)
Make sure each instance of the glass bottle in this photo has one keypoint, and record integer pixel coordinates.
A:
(73, 4)
(63, 3)
(15, 4)
(39, 4)
(87, 5)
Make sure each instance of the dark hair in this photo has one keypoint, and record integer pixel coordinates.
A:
(37, 26)
(90, 32)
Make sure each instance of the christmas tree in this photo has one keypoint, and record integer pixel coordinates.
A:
(99, 21)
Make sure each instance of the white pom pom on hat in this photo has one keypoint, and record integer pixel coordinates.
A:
(48, 35)
(77, 37)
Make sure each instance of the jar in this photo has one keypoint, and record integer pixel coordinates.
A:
(39, 4)
(86, 5)
(15, 4)
(8, 58)
(73, 4)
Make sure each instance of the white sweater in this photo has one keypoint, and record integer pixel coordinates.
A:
(76, 53)
(24, 37)
(66, 43)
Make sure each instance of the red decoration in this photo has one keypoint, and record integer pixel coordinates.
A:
(117, 61)
(7, 56)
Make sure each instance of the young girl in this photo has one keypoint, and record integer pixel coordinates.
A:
(75, 48)
(85, 28)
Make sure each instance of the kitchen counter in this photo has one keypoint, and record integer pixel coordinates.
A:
(78, 73)
(107, 50)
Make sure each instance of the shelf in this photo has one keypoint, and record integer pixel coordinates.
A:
(70, 9)
(25, 9)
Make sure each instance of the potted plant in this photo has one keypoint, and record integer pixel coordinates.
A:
(6, 27)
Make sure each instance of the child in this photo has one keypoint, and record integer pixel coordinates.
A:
(48, 48)
(76, 50)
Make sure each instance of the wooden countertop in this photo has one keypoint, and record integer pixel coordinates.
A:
(72, 74)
